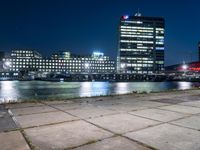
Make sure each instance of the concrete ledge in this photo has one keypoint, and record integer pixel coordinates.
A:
(167, 120)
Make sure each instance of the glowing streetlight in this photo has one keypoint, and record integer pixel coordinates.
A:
(125, 17)
(185, 67)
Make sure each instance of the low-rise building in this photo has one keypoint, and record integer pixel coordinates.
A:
(28, 60)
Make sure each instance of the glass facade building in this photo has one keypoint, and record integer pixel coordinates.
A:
(141, 45)
(26, 60)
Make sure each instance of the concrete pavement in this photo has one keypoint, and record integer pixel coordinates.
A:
(166, 121)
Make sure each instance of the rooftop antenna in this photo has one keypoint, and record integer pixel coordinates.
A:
(138, 14)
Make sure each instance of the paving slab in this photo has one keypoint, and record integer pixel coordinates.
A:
(2, 107)
(122, 123)
(2, 114)
(31, 110)
(182, 109)
(57, 102)
(189, 98)
(90, 112)
(128, 100)
(126, 96)
(89, 99)
(123, 107)
(148, 97)
(13, 141)
(43, 119)
(65, 135)
(157, 114)
(6, 121)
(154, 96)
(104, 103)
(190, 122)
(193, 104)
(64, 107)
(115, 143)
(168, 101)
(133, 106)
(22, 105)
(168, 137)
(148, 104)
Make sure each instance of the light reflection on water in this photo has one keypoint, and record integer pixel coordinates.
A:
(121, 88)
(93, 89)
(8, 91)
(29, 90)
(184, 85)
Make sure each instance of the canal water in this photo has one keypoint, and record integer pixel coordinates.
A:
(43, 90)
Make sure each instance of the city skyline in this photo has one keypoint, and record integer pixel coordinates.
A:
(82, 27)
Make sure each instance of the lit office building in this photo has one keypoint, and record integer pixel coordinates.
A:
(141, 45)
(23, 60)
(61, 55)
(95, 63)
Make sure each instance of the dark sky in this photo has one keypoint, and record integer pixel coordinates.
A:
(84, 25)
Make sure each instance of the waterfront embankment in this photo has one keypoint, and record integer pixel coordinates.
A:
(165, 120)
(15, 91)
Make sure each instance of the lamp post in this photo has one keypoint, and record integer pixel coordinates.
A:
(184, 67)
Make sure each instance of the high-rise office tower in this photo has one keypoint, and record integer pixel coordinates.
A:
(141, 45)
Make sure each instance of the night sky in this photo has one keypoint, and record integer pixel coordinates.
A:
(82, 26)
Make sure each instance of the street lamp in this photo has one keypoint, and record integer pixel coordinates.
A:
(185, 67)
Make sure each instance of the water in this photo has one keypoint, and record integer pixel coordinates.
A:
(41, 90)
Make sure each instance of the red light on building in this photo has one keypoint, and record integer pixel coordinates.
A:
(195, 66)
(125, 17)
(195, 69)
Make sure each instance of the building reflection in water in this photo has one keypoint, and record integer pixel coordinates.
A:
(8, 91)
(122, 88)
(22, 90)
(184, 85)
(94, 89)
